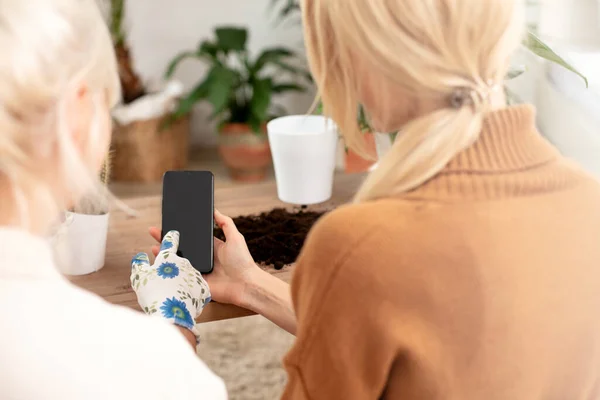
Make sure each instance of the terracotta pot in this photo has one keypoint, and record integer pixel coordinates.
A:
(246, 154)
(142, 152)
(355, 163)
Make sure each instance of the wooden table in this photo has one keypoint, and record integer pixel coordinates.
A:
(129, 235)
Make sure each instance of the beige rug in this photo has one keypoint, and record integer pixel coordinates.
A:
(247, 354)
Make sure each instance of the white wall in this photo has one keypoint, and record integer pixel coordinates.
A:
(571, 22)
(159, 29)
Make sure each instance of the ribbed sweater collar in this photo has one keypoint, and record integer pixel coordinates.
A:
(509, 142)
(510, 158)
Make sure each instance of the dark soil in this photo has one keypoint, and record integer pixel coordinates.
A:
(275, 237)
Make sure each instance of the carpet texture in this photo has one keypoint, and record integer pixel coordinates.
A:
(247, 354)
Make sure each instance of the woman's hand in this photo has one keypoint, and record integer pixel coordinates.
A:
(236, 279)
(170, 288)
(234, 269)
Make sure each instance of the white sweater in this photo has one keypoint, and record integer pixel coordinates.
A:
(60, 342)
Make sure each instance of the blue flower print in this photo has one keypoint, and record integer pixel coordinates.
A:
(176, 309)
(139, 259)
(168, 270)
(166, 244)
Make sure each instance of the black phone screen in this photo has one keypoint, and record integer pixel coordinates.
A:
(188, 207)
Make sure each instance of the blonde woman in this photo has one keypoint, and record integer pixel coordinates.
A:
(468, 266)
(58, 78)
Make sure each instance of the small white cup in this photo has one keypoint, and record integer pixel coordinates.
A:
(80, 243)
(304, 152)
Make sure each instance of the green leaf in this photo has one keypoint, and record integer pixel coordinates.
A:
(290, 8)
(261, 99)
(117, 16)
(539, 48)
(186, 104)
(231, 38)
(207, 48)
(289, 68)
(221, 82)
(287, 87)
(308, 76)
(516, 71)
(175, 63)
(255, 124)
(363, 122)
(319, 108)
(270, 56)
(145, 281)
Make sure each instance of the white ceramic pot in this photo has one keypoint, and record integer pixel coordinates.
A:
(80, 243)
(383, 143)
(304, 153)
(340, 155)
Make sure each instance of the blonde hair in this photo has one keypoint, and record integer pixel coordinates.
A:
(50, 49)
(429, 48)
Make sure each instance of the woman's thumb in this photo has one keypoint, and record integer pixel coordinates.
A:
(226, 224)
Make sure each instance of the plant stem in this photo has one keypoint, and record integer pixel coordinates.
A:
(116, 21)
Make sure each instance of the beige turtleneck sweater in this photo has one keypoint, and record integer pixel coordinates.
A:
(484, 283)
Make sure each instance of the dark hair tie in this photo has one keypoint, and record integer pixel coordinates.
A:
(460, 97)
(476, 98)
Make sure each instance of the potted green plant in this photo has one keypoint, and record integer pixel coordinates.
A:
(350, 161)
(241, 90)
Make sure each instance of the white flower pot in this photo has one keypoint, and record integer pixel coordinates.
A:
(304, 153)
(80, 243)
(383, 143)
(340, 155)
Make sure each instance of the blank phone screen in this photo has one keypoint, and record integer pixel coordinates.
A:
(187, 207)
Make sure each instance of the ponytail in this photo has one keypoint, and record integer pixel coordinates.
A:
(421, 150)
(427, 144)
(373, 52)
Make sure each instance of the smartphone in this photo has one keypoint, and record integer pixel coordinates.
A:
(188, 207)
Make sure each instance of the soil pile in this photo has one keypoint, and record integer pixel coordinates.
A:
(275, 237)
